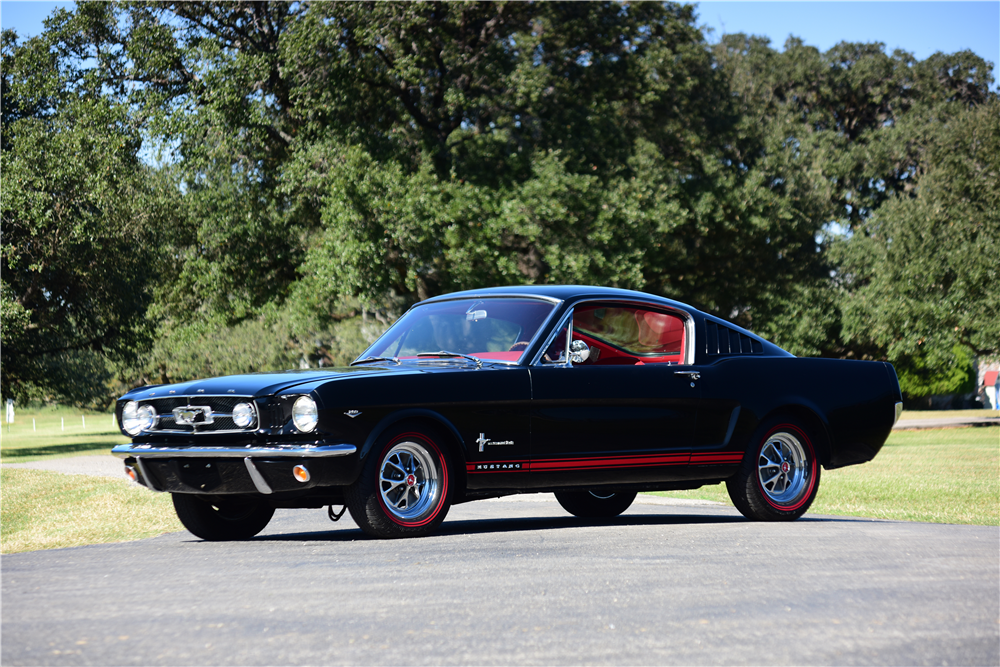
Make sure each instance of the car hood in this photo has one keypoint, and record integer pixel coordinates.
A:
(251, 384)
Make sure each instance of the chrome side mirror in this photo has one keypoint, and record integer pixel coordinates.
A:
(579, 352)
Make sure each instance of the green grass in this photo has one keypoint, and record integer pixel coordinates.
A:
(938, 476)
(57, 432)
(48, 510)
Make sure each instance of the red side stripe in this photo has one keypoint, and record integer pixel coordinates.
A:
(597, 463)
(617, 462)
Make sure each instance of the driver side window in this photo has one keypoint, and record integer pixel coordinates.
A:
(626, 334)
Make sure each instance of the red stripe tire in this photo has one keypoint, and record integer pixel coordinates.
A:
(780, 474)
(405, 487)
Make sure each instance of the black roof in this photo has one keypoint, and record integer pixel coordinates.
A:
(563, 293)
(571, 293)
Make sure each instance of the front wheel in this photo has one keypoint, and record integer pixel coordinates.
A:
(594, 504)
(779, 477)
(220, 519)
(404, 489)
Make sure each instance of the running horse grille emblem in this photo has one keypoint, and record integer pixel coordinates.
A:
(193, 415)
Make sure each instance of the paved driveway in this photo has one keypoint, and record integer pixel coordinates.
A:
(519, 582)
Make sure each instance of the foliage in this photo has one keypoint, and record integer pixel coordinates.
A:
(325, 165)
(80, 219)
(904, 153)
(923, 271)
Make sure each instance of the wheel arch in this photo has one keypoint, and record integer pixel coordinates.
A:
(435, 421)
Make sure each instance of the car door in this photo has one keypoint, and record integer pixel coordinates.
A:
(623, 411)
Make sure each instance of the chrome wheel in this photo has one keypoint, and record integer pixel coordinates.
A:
(408, 481)
(783, 469)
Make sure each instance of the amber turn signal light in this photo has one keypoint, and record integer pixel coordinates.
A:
(301, 473)
(132, 474)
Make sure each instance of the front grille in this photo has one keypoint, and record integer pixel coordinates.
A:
(212, 414)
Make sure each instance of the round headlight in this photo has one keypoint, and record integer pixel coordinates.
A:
(304, 414)
(130, 420)
(137, 419)
(243, 415)
(147, 417)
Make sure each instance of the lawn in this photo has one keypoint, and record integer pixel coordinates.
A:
(943, 476)
(58, 432)
(47, 510)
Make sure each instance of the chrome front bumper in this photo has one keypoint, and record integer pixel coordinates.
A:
(276, 451)
(265, 456)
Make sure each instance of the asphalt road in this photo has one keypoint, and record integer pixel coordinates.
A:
(518, 582)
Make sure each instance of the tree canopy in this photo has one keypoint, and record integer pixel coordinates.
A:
(292, 175)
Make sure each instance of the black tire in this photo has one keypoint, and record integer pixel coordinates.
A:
(405, 487)
(779, 477)
(594, 504)
(220, 519)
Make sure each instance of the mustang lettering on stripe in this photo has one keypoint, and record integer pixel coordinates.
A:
(497, 466)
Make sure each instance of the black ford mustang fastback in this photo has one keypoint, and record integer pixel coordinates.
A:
(591, 393)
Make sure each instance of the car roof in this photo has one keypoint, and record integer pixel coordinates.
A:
(572, 293)
(562, 293)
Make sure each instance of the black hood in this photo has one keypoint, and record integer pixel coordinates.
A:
(251, 384)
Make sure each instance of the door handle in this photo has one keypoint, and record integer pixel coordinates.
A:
(694, 375)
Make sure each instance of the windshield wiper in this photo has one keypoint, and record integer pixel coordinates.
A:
(367, 359)
(445, 353)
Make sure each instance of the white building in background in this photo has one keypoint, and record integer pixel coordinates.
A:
(989, 383)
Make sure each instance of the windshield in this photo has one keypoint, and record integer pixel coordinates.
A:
(498, 329)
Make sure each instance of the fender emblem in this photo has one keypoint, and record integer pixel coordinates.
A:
(482, 441)
(353, 413)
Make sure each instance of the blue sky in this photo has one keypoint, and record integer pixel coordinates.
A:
(921, 28)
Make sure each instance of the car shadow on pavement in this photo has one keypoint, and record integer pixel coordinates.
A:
(514, 525)
(350, 533)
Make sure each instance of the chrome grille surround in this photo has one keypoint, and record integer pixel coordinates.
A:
(199, 413)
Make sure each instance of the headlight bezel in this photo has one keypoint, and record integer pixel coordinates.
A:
(305, 414)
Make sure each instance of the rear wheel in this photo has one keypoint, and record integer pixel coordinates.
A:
(779, 477)
(404, 489)
(220, 519)
(594, 504)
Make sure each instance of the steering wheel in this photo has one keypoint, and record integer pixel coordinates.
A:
(519, 346)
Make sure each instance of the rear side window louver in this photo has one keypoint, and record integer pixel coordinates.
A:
(723, 340)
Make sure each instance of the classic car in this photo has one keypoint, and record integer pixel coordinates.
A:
(593, 394)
